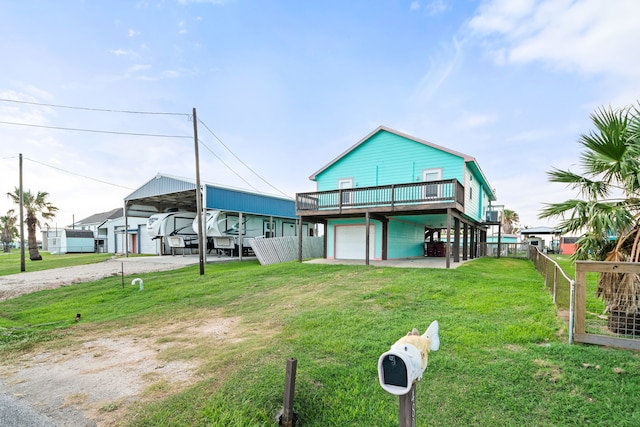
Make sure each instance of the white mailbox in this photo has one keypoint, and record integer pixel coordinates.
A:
(406, 361)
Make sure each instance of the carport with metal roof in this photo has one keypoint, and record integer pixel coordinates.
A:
(165, 193)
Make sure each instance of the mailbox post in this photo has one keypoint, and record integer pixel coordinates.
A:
(407, 408)
(403, 365)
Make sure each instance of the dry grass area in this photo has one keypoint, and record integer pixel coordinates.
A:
(93, 376)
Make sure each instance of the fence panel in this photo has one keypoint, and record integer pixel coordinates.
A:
(597, 323)
(282, 249)
(507, 250)
(555, 279)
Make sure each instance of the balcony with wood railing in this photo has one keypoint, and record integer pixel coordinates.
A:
(411, 197)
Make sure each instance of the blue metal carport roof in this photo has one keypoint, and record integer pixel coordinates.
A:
(165, 192)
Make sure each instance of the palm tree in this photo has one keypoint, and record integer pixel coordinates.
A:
(509, 220)
(35, 205)
(608, 212)
(608, 187)
(8, 230)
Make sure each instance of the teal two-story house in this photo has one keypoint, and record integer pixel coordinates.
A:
(391, 195)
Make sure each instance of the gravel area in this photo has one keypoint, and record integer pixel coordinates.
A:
(68, 386)
(14, 285)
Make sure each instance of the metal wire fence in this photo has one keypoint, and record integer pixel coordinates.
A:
(592, 320)
(555, 279)
(615, 322)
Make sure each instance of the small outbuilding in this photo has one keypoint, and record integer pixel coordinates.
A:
(63, 241)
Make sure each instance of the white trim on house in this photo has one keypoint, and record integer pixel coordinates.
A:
(345, 184)
(432, 191)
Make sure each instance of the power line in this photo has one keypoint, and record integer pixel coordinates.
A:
(96, 131)
(228, 167)
(240, 160)
(105, 110)
(77, 174)
(136, 134)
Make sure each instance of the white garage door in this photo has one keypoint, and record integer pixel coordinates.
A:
(351, 241)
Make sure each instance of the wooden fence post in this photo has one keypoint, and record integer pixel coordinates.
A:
(288, 417)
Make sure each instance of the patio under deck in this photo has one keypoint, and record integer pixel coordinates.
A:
(417, 262)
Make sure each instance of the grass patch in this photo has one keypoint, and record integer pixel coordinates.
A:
(10, 261)
(501, 361)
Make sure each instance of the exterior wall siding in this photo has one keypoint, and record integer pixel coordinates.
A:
(238, 201)
(79, 244)
(387, 158)
(474, 196)
(405, 239)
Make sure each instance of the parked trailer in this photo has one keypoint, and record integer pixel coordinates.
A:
(223, 228)
(164, 225)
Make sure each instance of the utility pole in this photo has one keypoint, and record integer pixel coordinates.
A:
(22, 266)
(201, 240)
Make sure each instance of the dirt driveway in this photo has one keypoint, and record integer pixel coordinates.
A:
(15, 285)
(95, 379)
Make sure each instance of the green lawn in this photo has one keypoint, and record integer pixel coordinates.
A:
(10, 261)
(503, 359)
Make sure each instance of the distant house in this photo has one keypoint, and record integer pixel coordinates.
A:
(112, 235)
(568, 245)
(385, 194)
(545, 238)
(505, 238)
(94, 221)
(63, 241)
(107, 229)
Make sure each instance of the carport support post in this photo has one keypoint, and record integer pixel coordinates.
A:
(126, 232)
(240, 233)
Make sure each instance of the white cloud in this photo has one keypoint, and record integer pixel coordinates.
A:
(119, 52)
(25, 113)
(589, 36)
(436, 6)
(139, 67)
(181, 28)
(133, 33)
(474, 120)
(438, 74)
(502, 16)
(179, 72)
(433, 7)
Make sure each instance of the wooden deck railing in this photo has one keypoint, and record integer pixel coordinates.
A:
(386, 195)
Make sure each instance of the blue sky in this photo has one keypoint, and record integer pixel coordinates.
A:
(289, 85)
